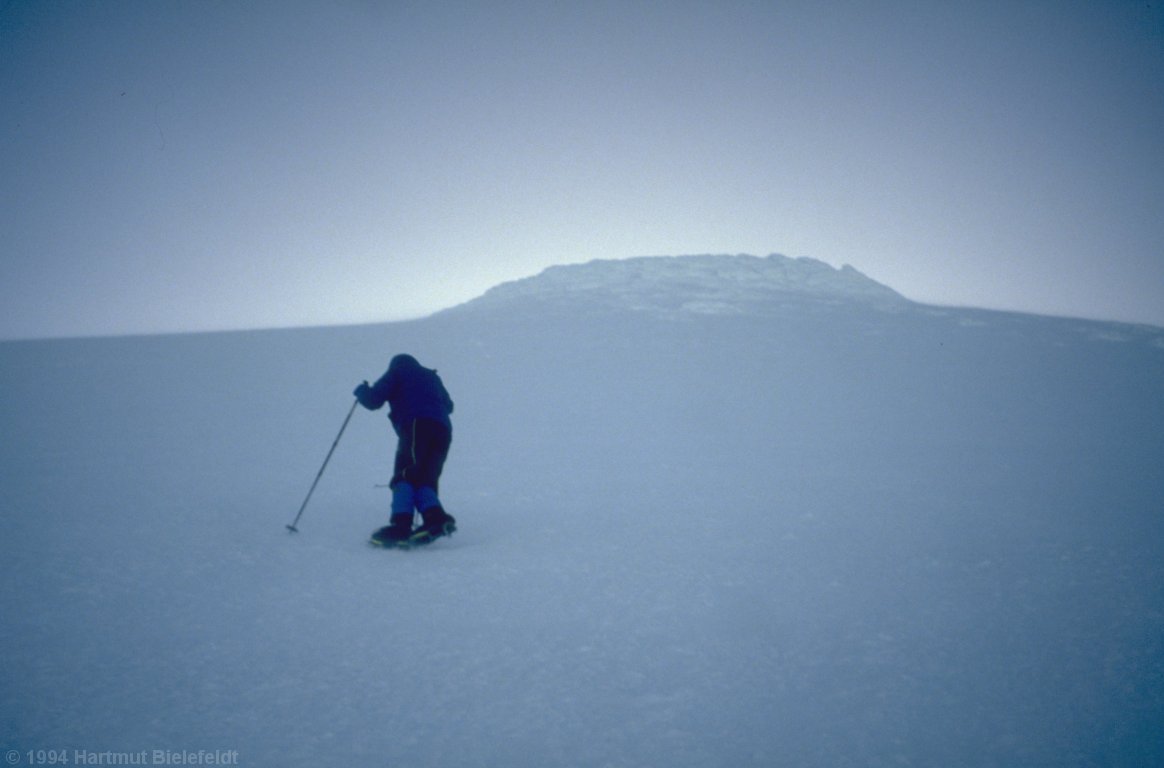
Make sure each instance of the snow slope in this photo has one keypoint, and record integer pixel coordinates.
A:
(803, 529)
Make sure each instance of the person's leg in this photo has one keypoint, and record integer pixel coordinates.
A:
(430, 449)
(399, 527)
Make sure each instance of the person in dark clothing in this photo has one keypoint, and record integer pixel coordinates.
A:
(419, 409)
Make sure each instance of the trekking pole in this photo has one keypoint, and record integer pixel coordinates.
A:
(318, 475)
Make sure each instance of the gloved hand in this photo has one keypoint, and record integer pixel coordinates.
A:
(363, 393)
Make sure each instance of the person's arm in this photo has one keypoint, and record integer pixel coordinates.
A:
(372, 396)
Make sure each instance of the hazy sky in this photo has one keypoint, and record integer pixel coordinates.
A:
(195, 165)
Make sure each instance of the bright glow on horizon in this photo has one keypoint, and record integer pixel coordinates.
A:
(171, 167)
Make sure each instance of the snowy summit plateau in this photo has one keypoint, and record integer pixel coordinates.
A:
(699, 284)
(711, 511)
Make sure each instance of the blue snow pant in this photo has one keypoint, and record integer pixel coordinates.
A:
(421, 451)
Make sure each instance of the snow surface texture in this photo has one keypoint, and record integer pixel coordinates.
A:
(826, 531)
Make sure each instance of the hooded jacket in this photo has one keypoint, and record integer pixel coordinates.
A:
(411, 391)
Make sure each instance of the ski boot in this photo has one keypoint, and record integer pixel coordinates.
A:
(396, 535)
(435, 522)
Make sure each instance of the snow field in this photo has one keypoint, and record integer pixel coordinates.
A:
(829, 535)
